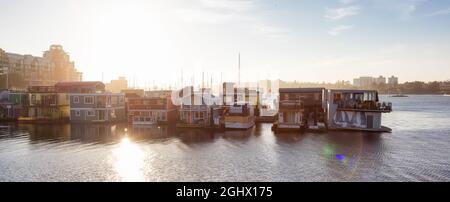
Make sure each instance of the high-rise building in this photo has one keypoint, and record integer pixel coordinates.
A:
(363, 81)
(53, 67)
(116, 86)
(393, 80)
(380, 80)
(367, 81)
(64, 69)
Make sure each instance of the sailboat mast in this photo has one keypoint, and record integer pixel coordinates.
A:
(239, 69)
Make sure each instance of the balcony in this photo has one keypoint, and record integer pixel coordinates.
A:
(367, 106)
(291, 104)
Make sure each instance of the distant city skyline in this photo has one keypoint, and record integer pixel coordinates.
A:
(155, 41)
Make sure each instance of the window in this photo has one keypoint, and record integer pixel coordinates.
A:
(52, 99)
(33, 99)
(114, 100)
(77, 113)
(88, 100)
(76, 99)
(91, 113)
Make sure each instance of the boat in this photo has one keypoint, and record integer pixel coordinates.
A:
(197, 111)
(399, 95)
(358, 110)
(239, 116)
(151, 110)
(446, 94)
(300, 109)
(238, 106)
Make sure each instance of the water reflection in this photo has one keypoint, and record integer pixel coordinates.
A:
(95, 133)
(113, 133)
(348, 154)
(46, 132)
(195, 136)
(288, 138)
(77, 152)
(238, 135)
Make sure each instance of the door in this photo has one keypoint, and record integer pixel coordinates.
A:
(369, 121)
(101, 115)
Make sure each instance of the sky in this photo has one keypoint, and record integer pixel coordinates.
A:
(158, 41)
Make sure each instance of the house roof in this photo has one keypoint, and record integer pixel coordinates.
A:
(78, 83)
(352, 91)
(301, 90)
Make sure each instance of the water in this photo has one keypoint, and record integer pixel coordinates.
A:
(418, 149)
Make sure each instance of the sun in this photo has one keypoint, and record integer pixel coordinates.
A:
(131, 39)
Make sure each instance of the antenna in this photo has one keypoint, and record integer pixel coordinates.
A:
(207, 80)
(239, 69)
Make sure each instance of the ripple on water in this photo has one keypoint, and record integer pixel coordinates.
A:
(416, 150)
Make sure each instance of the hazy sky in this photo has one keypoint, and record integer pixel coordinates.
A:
(299, 40)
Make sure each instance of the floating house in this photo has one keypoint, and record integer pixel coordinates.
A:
(46, 104)
(301, 108)
(13, 105)
(89, 103)
(158, 93)
(239, 107)
(356, 110)
(158, 109)
(132, 93)
(97, 107)
(198, 110)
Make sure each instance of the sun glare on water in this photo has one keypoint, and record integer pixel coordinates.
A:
(128, 161)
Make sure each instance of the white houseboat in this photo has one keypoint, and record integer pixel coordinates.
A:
(356, 110)
(239, 107)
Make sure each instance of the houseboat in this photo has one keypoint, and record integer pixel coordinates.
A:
(132, 93)
(157, 93)
(198, 110)
(356, 110)
(47, 105)
(97, 107)
(300, 108)
(13, 105)
(268, 108)
(151, 110)
(238, 108)
(90, 103)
